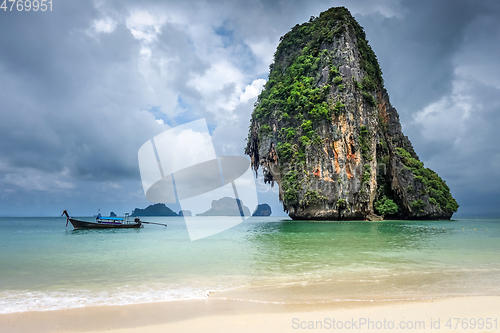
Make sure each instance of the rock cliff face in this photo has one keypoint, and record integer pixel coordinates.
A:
(324, 129)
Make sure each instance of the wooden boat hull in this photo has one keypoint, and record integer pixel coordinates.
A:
(78, 224)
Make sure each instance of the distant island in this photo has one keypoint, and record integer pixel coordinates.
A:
(263, 210)
(185, 213)
(226, 207)
(223, 207)
(154, 210)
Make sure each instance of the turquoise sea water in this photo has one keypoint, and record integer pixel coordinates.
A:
(45, 265)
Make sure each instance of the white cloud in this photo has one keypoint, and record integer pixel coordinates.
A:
(105, 25)
(264, 52)
(220, 87)
(445, 119)
(214, 79)
(144, 25)
(252, 90)
(31, 179)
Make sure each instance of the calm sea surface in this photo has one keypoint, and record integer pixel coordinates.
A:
(45, 265)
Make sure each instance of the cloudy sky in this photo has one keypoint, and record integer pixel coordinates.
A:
(84, 86)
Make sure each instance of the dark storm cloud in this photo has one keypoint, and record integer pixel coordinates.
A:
(82, 87)
(416, 50)
(39, 48)
(60, 91)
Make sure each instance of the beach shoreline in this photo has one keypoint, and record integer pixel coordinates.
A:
(222, 315)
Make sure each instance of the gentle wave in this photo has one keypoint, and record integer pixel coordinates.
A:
(22, 301)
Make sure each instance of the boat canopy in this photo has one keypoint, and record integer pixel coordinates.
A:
(111, 218)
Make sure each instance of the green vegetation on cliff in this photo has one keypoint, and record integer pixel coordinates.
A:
(291, 93)
(435, 187)
(386, 206)
(323, 30)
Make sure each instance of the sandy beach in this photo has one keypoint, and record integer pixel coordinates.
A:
(219, 315)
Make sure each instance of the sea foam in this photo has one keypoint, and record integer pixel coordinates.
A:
(24, 300)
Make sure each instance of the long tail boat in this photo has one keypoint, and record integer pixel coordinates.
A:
(103, 222)
(106, 222)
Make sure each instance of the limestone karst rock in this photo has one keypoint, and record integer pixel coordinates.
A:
(323, 129)
(263, 210)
